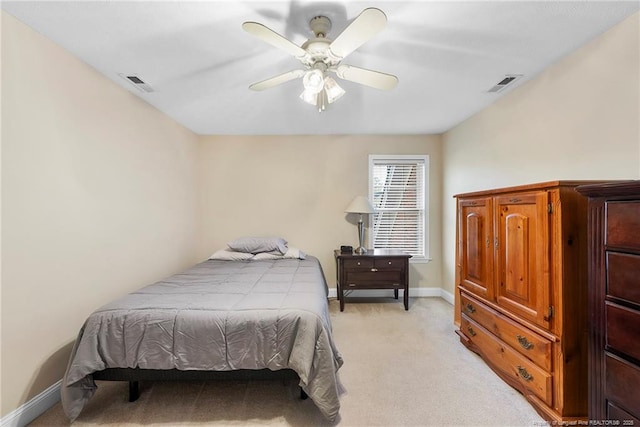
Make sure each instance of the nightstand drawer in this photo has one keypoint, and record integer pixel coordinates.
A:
(373, 278)
(389, 264)
(357, 263)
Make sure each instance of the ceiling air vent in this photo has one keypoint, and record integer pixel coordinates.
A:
(135, 80)
(506, 81)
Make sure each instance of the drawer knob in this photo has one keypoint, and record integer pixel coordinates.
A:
(471, 308)
(524, 374)
(358, 262)
(374, 269)
(389, 262)
(524, 342)
(471, 331)
(352, 285)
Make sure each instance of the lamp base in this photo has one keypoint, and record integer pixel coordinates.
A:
(360, 249)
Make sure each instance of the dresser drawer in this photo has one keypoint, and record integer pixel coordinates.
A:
(622, 276)
(623, 224)
(622, 331)
(508, 361)
(623, 417)
(621, 383)
(523, 340)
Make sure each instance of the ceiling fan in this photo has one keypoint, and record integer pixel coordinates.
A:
(320, 55)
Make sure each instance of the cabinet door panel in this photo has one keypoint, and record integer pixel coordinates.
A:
(476, 246)
(522, 255)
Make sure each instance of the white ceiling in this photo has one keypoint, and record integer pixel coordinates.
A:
(199, 61)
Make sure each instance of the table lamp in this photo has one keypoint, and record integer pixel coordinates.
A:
(360, 205)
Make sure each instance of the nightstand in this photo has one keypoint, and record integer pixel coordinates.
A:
(376, 269)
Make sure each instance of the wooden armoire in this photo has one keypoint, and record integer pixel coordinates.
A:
(521, 298)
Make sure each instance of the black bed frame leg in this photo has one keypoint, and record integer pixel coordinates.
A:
(303, 395)
(134, 391)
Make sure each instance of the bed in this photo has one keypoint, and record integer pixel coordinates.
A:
(258, 312)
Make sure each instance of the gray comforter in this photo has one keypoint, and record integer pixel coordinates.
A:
(218, 315)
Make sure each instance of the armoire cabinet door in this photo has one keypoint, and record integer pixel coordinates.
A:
(522, 255)
(476, 246)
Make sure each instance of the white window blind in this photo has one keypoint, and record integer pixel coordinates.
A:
(397, 186)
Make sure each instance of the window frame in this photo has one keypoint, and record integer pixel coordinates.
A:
(410, 159)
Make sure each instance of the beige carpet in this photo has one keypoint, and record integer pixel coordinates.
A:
(401, 368)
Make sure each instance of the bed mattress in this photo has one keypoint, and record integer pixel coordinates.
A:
(216, 316)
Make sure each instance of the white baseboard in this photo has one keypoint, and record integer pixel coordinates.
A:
(447, 296)
(32, 409)
(413, 292)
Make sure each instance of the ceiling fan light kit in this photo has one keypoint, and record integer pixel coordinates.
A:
(313, 81)
(320, 55)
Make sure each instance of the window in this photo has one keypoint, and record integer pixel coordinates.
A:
(398, 191)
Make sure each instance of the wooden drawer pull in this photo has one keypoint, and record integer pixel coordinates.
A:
(471, 308)
(524, 374)
(471, 331)
(524, 342)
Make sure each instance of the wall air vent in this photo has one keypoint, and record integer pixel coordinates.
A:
(506, 81)
(135, 80)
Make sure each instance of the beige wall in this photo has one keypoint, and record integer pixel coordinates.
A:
(297, 187)
(101, 193)
(580, 119)
(99, 196)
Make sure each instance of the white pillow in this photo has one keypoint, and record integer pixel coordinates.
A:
(292, 253)
(256, 245)
(228, 255)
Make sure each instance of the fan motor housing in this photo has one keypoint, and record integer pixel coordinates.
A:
(317, 50)
(320, 25)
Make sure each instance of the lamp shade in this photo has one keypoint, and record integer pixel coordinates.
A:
(361, 205)
(313, 81)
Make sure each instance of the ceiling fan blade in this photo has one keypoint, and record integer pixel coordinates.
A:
(273, 38)
(277, 80)
(366, 25)
(366, 77)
